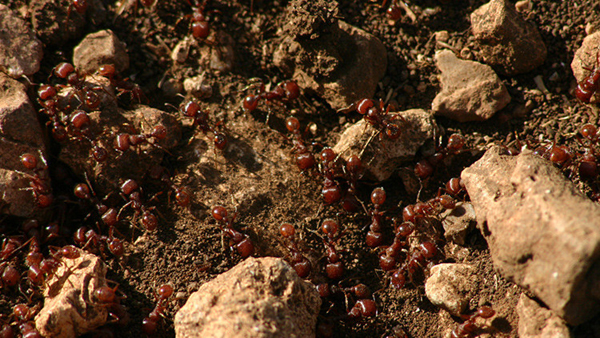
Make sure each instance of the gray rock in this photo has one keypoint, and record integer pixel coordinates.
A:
(540, 230)
(451, 286)
(331, 58)
(458, 222)
(20, 51)
(381, 156)
(101, 48)
(508, 43)
(536, 321)
(586, 56)
(70, 307)
(20, 133)
(471, 91)
(261, 297)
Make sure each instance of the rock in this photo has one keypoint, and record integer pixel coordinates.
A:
(182, 49)
(539, 229)
(70, 307)
(130, 164)
(507, 42)
(20, 51)
(451, 286)
(458, 222)
(382, 156)
(51, 23)
(20, 133)
(101, 48)
(261, 297)
(219, 57)
(536, 321)
(586, 56)
(471, 91)
(331, 58)
(196, 87)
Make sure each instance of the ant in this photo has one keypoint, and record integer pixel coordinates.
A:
(353, 170)
(335, 266)
(150, 323)
(240, 241)
(109, 216)
(24, 315)
(182, 196)
(374, 236)
(300, 263)
(286, 91)
(131, 190)
(122, 85)
(425, 167)
(86, 96)
(469, 326)
(363, 307)
(331, 192)
(305, 160)
(192, 110)
(378, 117)
(590, 84)
(124, 141)
(389, 257)
(107, 297)
(198, 24)
(39, 181)
(426, 251)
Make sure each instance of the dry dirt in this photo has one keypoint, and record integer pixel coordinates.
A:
(256, 177)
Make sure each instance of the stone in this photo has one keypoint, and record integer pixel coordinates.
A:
(260, 297)
(220, 56)
(131, 164)
(182, 49)
(197, 87)
(507, 42)
(381, 156)
(20, 133)
(471, 91)
(451, 286)
(536, 321)
(70, 307)
(458, 222)
(327, 56)
(20, 50)
(539, 229)
(586, 56)
(101, 48)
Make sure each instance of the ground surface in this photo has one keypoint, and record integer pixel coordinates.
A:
(256, 177)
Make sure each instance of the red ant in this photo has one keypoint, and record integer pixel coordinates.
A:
(331, 192)
(374, 236)
(122, 85)
(124, 141)
(182, 196)
(24, 314)
(240, 241)
(353, 170)
(39, 181)
(107, 297)
(150, 323)
(132, 191)
(86, 96)
(378, 117)
(192, 109)
(363, 307)
(300, 263)
(389, 257)
(590, 84)
(49, 101)
(469, 326)
(305, 160)
(286, 91)
(335, 266)
(109, 216)
(426, 251)
(199, 25)
(425, 167)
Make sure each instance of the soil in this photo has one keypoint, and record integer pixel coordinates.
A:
(255, 176)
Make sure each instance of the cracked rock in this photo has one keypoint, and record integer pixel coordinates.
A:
(536, 321)
(260, 297)
(471, 91)
(20, 50)
(539, 229)
(329, 57)
(451, 286)
(101, 48)
(380, 155)
(507, 42)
